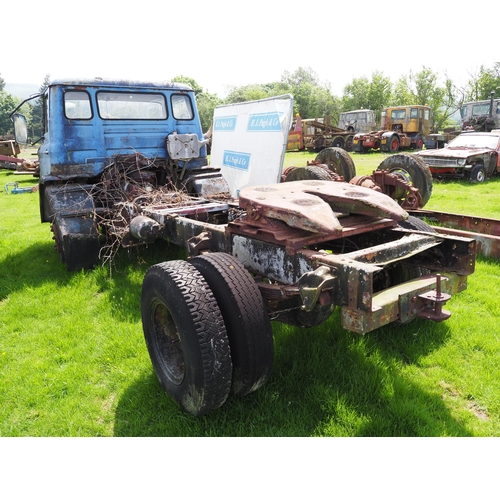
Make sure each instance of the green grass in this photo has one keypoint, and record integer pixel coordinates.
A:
(73, 361)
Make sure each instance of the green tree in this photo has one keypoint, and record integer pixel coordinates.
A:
(2, 83)
(251, 92)
(480, 86)
(189, 81)
(312, 99)
(402, 95)
(7, 105)
(362, 93)
(422, 88)
(205, 102)
(35, 123)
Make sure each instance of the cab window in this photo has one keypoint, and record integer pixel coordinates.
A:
(181, 107)
(77, 105)
(398, 114)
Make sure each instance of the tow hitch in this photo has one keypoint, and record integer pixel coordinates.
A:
(429, 305)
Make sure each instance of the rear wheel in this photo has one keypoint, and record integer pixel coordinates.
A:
(185, 336)
(338, 161)
(419, 143)
(413, 170)
(338, 142)
(478, 174)
(246, 319)
(349, 143)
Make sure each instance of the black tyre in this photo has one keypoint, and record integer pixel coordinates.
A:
(186, 337)
(311, 172)
(393, 144)
(416, 224)
(413, 170)
(338, 161)
(246, 319)
(478, 174)
(338, 142)
(349, 143)
(419, 143)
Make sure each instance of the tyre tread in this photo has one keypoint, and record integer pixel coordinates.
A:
(245, 315)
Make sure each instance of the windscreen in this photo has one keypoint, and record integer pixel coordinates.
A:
(131, 106)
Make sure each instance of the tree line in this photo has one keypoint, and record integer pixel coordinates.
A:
(314, 99)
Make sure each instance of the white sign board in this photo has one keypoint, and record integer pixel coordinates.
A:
(249, 141)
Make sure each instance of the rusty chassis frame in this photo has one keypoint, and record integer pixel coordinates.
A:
(485, 231)
(315, 245)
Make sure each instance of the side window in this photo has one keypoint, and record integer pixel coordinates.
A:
(414, 113)
(426, 114)
(77, 105)
(181, 107)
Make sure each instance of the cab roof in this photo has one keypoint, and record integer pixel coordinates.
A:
(105, 82)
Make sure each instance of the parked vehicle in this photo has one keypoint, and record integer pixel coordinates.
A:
(471, 155)
(125, 162)
(316, 134)
(481, 116)
(402, 127)
(360, 120)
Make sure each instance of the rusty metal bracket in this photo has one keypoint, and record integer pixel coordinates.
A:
(393, 186)
(429, 305)
(312, 284)
(197, 244)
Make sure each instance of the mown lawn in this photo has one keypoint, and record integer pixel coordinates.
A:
(73, 360)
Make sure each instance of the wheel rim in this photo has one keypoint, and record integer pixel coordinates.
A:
(405, 175)
(168, 343)
(394, 145)
(481, 176)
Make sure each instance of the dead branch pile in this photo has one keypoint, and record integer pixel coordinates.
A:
(129, 185)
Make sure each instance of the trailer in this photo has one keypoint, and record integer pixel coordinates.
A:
(316, 134)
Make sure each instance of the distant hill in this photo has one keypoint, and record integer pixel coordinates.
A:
(21, 90)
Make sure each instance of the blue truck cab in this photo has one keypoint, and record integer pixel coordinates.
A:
(88, 125)
(89, 122)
